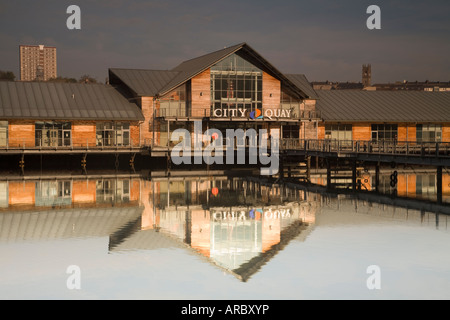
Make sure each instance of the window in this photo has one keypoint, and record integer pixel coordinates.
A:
(53, 193)
(164, 136)
(3, 134)
(428, 132)
(53, 134)
(291, 131)
(236, 84)
(174, 104)
(384, 132)
(338, 131)
(426, 185)
(113, 191)
(4, 194)
(290, 103)
(112, 134)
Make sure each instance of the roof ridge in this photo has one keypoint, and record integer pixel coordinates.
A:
(140, 69)
(211, 53)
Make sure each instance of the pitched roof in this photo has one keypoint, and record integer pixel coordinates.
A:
(190, 68)
(152, 83)
(302, 82)
(384, 106)
(143, 82)
(64, 101)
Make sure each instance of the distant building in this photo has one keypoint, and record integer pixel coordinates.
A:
(414, 86)
(366, 75)
(366, 84)
(37, 63)
(327, 85)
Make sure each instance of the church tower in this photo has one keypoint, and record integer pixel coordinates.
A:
(366, 75)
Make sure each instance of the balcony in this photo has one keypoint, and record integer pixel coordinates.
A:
(181, 113)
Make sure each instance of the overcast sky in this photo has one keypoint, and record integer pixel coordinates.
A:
(323, 39)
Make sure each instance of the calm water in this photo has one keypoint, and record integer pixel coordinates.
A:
(218, 238)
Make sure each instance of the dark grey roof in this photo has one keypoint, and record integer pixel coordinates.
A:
(300, 81)
(64, 101)
(190, 68)
(152, 83)
(144, 82)
(384, 106)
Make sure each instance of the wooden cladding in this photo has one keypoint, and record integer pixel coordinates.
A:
(22, 134)
(271, 92)
(201, 93)
(405, 131)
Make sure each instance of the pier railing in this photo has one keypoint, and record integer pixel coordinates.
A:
(67, 144)
(382, 147)
(337, 147)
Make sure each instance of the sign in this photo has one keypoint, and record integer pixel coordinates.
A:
(254, 115)
(253, 214)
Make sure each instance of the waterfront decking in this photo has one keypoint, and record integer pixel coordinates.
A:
(420, 153)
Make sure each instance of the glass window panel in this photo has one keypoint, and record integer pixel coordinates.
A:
(234, 84)
(259, 96)
(3, 133)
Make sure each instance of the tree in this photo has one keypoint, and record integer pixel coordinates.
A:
(87, 79)
(63, 80)
(7, 75)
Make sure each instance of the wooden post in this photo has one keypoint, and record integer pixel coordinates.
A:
(354, 175)
(439, 184)
(328, 174)
(308, 168)
(22, 164)
(377, 176)
(188, 228)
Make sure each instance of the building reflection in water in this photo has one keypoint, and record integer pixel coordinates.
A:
(420, 185)
(236, 224)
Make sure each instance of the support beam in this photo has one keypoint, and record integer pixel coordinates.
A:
(328, 174)
(354, 175)
(377, 176)
(117, 162)
(84, 163)
(22, 164)
(439, 184)
(308, 168)
(133, 156)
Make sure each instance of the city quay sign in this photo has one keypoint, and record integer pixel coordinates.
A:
(254, 115)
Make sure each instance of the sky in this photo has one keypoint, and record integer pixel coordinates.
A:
(323, 39)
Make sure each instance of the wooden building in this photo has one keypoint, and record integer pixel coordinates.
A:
(232, 88)
(413, 116)
(228, 89)
(40, 115)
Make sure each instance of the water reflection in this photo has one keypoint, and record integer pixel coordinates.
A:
(237, 224)
(415, 184)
